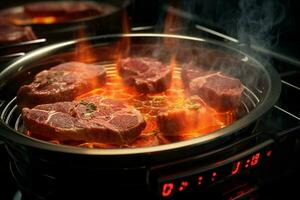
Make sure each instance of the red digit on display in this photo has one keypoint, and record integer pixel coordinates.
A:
(236, 168)
(183, 185)
(255, 159)
(269, 153)
(167, 189)
(247, 163)
(213, 176)
(200, 178)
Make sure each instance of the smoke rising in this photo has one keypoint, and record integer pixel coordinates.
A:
(258, 20)
(253, 22)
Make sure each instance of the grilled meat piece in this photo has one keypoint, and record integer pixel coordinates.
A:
(61, 83)
(92, 119)
(180, 116)
(147, 75)
(63, 9)
(189, 72)
(221, 92)
(10, 34)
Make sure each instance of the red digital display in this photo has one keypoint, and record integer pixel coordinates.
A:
(236, 168)
(200, 178)
(255, 159)
(269, 152)
(247, 163)
(167, 189)
(205, 178)
(213, 176)
(183, 185)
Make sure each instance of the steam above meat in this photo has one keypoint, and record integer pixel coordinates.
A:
(146, 75)
(219, 91)
(61, 83)
(93, 119)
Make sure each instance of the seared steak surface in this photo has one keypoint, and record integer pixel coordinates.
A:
(146, 75)
(92, 119)
(61, 83)
(180, 116)
(221, 92)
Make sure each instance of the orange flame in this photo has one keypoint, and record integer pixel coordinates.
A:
(172, 22)
(123, 45)
(84, 51)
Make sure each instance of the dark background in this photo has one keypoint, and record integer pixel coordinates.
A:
(272, 23)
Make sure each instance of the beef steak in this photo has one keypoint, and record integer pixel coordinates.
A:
(188, 118)
(12, 34)
(221, 92)
(180, 116)
(92, 119)
(147, 75)
(65, 9)
(61, 83)
(189, 72)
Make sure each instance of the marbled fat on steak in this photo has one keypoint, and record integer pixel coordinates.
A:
(63, 82)
(146, 75)
(92, 119)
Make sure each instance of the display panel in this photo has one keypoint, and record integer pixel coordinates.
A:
(170, 186)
